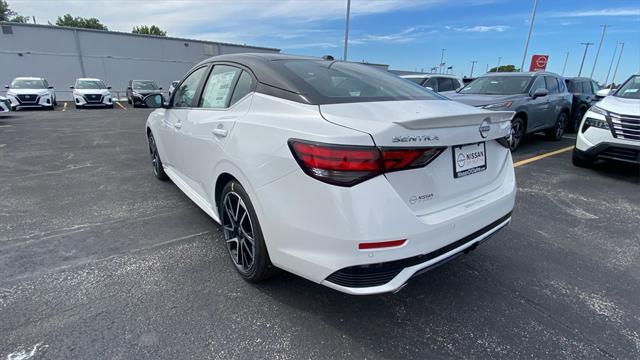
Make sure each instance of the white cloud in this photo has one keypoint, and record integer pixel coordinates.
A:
(597, 12)
(481, 28)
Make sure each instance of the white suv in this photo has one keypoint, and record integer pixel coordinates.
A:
(341, 173)
(89, 92)
(31, 92)
(436, 82)
(610, 130)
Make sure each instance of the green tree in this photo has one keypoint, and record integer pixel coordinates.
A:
(80, 22)
(504, 68)
(6, 14)
(148, 30)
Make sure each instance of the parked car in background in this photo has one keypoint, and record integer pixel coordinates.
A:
(584, 95)
(610, 130)
(252, 138)
(31, 92)
(436, 82)
(137, 90)
(89, 92)
(540, 100)
(173, 86)
(5, 105)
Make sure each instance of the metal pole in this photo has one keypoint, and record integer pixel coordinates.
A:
(487, 69)
(586, 47)
(441, 60)
(346, 30)
(565, 63)
(604, 28)
(611, 65)
(526, 44)
(616, 70)
(498, 67)
(473, 63)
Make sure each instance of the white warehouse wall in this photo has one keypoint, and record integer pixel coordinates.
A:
(63, 54)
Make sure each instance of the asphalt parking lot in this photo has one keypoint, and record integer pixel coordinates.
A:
(100, 260)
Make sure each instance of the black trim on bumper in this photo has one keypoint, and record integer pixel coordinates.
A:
(369, 275)
(611, 151)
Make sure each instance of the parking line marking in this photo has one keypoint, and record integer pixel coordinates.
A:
(123, 108)
(64, 107)
(536, 158)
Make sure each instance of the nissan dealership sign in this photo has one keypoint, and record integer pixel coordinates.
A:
(539, 62)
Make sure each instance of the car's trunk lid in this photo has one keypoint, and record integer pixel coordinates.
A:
(431, 123)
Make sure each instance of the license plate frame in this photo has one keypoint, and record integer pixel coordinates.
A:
(467, 159)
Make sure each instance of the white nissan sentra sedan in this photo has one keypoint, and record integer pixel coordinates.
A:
(341, 173)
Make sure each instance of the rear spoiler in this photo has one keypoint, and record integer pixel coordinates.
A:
(457, 120)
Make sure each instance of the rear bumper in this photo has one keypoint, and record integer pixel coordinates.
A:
(314, 229)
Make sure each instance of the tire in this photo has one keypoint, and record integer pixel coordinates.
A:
(577, 118)
(78, 107)
(156, 162)
(517, 132)
(55, 102)
(129, 101)
(242, 232)
(555, 133)
(580, 160)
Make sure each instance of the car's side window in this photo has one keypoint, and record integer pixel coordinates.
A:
(588, 87)
(243, 87)
(445, 84)
(217, 91)
(183, 96)
(594, 87)
(456, 83)
(552, 84)
(432, 83)
(538, 84)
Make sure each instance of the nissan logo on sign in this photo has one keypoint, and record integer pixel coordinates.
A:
(539, 62)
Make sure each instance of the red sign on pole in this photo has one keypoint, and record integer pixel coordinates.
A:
(539, 62)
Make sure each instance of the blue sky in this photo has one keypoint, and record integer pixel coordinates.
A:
(406, 34)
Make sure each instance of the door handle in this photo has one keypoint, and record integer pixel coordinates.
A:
(219, 132)
(178, 125)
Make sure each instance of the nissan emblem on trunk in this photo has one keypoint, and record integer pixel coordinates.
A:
(485, 127)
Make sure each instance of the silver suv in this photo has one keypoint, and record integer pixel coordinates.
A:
(540, 100)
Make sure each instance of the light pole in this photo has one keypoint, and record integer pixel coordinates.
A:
(473, 63)
(586, 47)
(565, 63)
(487, 69)
(441, 60)
(611, 65)
(604, 28)
(618, 63)
(526, 44)
(346, 30)
(498, 67)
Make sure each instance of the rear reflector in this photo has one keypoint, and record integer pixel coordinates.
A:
(347, 165)
(380, 245)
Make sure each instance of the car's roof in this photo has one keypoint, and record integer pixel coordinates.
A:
(524, 73)
(28, 78)
(142, 80)
(578, 78)
(88, 79)
(423, 76)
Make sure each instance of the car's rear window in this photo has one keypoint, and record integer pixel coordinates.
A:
(326, 82)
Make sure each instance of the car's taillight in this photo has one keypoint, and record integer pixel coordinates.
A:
(347, 165)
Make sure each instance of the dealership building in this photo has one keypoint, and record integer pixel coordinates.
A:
(62, 54)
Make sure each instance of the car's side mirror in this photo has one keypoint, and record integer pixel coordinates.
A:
(602, 93)
(6, 86)
(154, 101)
(108, 87)
(540, 92)
(49, 87)
(128, 87)
(159, 88)
(459, 88)
(71, 87)
(429, 88)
